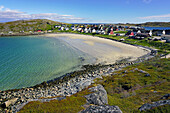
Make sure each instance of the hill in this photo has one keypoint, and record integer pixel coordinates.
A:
(155, 24)
(28, 25)
(149, 24)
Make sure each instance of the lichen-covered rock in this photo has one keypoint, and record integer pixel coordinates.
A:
(99, 97)
(9, 102)
(166, 96)
(102, 109)
(154, 104)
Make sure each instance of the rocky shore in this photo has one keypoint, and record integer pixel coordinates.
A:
(69, 84)
(20, 34)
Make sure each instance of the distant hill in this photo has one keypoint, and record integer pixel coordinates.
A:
(149, 24)
(28, 25)
(155, 24)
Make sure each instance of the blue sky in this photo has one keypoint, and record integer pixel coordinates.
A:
(87, 11)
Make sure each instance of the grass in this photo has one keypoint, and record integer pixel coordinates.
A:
(131, 89)
(72, 104)
(120, 31)
(128, 88)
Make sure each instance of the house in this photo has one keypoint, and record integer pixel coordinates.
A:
(79, 29)
(110, 31)
(49, 31)
(150, 33)
(157, 32)
(98, 31)
(102, 32)
(62, 28)
(166, 37)
(139, 31)
(66, 28)
(132, 34)
(94, 31)
(57, 26)
(39, 31)
(10, 32)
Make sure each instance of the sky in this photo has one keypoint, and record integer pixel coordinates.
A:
(86, 11)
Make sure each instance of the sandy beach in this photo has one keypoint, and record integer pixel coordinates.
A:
(104, 50)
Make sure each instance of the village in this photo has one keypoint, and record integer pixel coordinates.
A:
(134, 32)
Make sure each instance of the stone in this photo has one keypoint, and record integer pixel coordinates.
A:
(142, 71)
(166, 96)
(99, 97)
(102, 109)
(147, 75)
(9, 102)
(155, 104)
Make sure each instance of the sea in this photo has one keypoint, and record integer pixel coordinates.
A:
(29, 60)
(157, 28)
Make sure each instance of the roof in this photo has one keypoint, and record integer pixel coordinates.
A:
(166, 36)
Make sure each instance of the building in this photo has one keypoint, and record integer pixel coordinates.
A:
(166, 37)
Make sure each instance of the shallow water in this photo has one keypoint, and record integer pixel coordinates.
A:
(29, 60)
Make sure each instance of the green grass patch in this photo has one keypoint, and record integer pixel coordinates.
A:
(129, 88)
(120, 32)
(72, 104)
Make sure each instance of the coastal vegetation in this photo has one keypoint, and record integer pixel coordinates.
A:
(128, 88)
(28, 25)
(72, 104)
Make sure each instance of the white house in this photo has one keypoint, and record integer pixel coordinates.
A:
(163, 32)
(93, 31)
(102, 32)
(62, 28)
(139, 31)
(150, 33)
(66, 28)
(79, 29)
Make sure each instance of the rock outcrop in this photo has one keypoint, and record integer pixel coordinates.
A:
(102, 109)
(99, 97)
(154, 104)
(97, 102)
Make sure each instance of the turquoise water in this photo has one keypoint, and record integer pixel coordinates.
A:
(30, 60)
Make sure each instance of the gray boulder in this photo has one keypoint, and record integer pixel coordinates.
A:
(154, 104)
(166, 96)
(102, 109)
(99, 97)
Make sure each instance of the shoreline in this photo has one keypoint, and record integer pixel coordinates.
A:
(97, 64)
(67, 84)
(105, 50)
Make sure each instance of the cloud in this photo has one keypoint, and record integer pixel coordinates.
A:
(1, 7)
(157, 17)
(12, 15)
